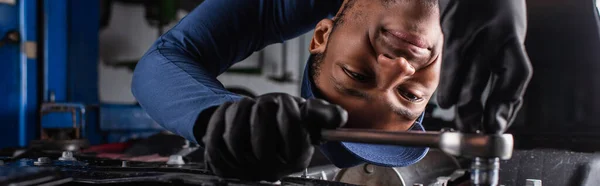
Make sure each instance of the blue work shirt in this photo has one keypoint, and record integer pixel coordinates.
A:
(176, 79)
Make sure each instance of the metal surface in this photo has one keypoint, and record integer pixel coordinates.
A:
(28, 26)
(418, 139)
(428, 171)
(445, 180)
(434, 165)
(370, 175)
(477, 145)
(323, 172)
(55, 55)
(485, 172)
(454, 143)
(10, 93)
(18, 79)
(552, 166)
(70, 50)
(67, 156)
(487, 150)
(77, 110)
(25, 176)
(83, 55)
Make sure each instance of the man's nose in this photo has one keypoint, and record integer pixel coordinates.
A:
(392, 70)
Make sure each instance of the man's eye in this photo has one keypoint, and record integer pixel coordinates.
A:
(409, 96)
(356, 76)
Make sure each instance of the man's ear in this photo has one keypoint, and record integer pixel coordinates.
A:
(321, 36)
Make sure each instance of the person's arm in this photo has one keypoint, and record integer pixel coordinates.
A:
(176, 79)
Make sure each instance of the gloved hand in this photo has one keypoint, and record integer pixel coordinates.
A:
(268, 137)
(484, 44)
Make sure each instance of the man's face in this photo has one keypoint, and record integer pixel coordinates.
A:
(381, 63)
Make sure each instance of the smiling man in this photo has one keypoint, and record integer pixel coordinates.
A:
(374, 65)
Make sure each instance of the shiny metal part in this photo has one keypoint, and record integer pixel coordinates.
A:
(443, 180)
(477, 145)
(485, 171)
(326, 172)
(124, 164)
(51, 107)
(454, 143)
(368, 174)
(175, 160)
(67, 156)
(368, 168)
(533, 182)
(433, 166)
(416, 139)
(43, 161)
(486, 150)
(305, 173)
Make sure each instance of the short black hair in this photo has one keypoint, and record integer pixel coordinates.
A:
(340, 17)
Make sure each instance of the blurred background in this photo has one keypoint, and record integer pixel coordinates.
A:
(80, 55)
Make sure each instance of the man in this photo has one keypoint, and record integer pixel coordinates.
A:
(379, 60)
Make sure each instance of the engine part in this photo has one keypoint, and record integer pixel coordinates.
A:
(485, 171)
(427, 171)
(43, 161)
(370, 175)
(491, 147)
(67, 156)
(175, 160)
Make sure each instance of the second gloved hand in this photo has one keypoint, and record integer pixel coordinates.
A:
(268, 137)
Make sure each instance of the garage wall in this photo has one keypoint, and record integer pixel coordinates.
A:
(128, 36)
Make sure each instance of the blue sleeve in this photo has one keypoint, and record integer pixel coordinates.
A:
(176, 79)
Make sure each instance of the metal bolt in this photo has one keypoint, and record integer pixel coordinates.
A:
(42, 161)
(369, 168)
(124, 164)
(175, 160)
(13, 36)
(67, 156)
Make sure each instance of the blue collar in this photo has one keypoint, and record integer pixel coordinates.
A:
(306, 91)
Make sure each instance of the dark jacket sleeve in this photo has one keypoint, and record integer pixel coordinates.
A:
(176, 79)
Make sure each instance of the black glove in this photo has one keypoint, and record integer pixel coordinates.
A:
(484, 43)
(268, 137)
